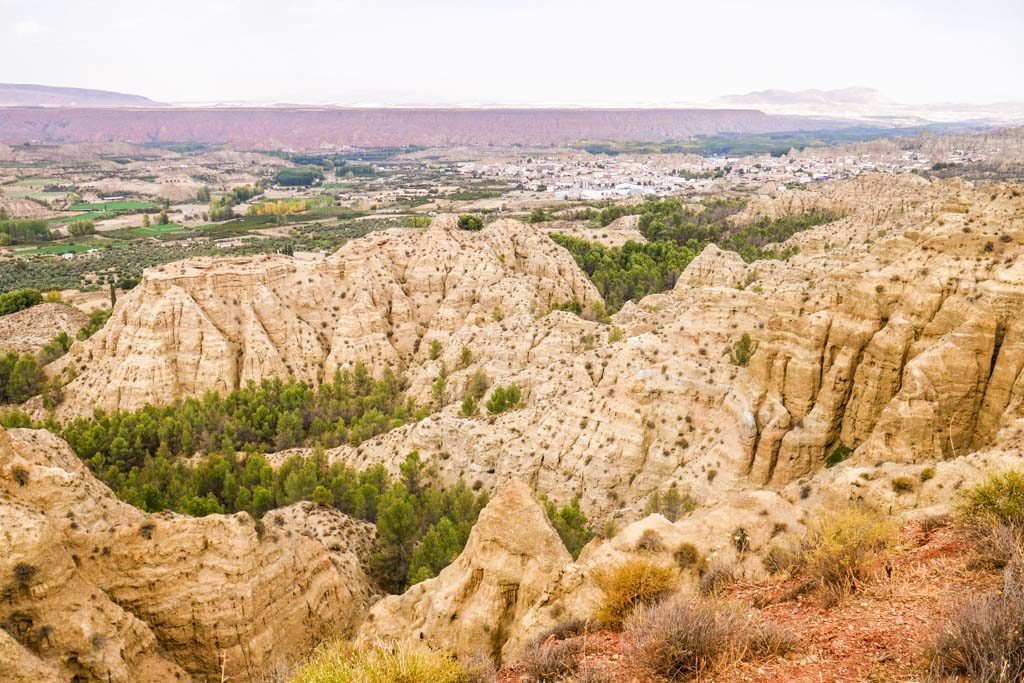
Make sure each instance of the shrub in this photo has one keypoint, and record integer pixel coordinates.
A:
(650, 541)
(984, 636)
(687, 556)
(742, 351)
(715, 578)
(903, 484)
(24, 572)
(146, 530)
(780, 559)
(435, 349)
(18, 300)
(686, 637)
(20, 474)
(323, 496)
(840, 550)
(549, 662)
(342, 663)
(470, 407)
(927, 474)
(999, 500)
(838, 454)
(629, 585)
(503, 398)
(572, 525)
(470, 222)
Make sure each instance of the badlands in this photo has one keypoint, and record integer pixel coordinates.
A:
(889, 349)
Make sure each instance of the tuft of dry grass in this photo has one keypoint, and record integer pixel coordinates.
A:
(715, 578)
(688, 637)
(340, 662)
(629, 585)
(984, 636)
(550, 660)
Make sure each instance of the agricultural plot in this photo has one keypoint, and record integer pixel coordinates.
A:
(125, 205)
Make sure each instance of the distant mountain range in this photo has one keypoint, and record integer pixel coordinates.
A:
(29, 95)
(308, 128)
(869, 104)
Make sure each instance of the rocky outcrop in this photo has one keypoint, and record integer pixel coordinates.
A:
(97, 589)
(475, 606)
(28, 330)
(214, 324)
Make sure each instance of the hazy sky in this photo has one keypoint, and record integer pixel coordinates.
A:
(522, 51)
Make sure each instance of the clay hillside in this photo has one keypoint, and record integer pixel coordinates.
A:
(777, 470)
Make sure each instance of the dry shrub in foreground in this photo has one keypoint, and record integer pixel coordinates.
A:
(550, 660)
(984, 636)
(629, 585)
(687, 637)
(340, 662)
(842, 549)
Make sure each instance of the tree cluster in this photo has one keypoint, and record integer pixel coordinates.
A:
(24, 230)
(18, 300)
(273, 415)
(21, 377)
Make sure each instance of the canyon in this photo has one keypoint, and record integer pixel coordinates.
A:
(888, 344)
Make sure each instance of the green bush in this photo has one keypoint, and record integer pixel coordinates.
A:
(18, 300)
(742, 351)
(470, 222)
(999, 500)
(97, 319)
(503, 398)
(572, 525)
(21, 378)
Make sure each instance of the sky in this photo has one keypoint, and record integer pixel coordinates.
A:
(527, 52)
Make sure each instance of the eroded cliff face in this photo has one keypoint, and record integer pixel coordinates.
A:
(214, 324)
(895, 333)
(95, 588)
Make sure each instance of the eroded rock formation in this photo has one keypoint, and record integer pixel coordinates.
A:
(96, 588)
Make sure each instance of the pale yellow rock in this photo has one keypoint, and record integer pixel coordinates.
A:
(475, 607)
(113, 592)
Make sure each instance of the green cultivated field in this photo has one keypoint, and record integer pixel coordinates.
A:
(126, 205)
(157, 230)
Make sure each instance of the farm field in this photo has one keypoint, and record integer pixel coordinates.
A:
(125, 205)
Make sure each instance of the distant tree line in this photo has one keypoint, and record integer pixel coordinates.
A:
(24, 230)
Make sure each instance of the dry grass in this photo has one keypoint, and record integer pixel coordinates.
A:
(550, 660)
(629, 585)
(716, 578)
(340, 662)
(686, 637)
(841, 550)
(984, 636)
